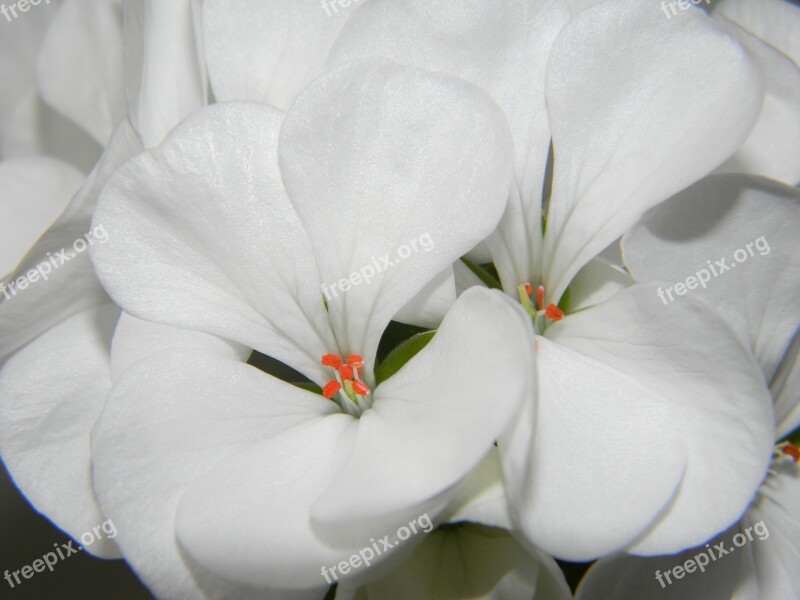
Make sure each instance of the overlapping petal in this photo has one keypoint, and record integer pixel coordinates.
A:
(634, 123)
(369, 476)
(436, 419)
(40, 307)
(170, 419)
(663, 387)
(19, 48)
(625, 577)
(269, 50)
(165, 75)
(36, 128)
(416, 178)
(210, 240)
(501, 46)
(774, 21)
(604, 457)
(468, 561)
(775, 554)
(774, 144)
(51, 393)
(81, 74)
(751, 225)
(33, 192)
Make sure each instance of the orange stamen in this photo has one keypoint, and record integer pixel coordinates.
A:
(792, 451)
(539, 297)
(528, 289)
(360, 388)
(354, 360)
(331, 360)
(331, 388)
(554, 313)
(346, 372)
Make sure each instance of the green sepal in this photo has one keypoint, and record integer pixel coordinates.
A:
(401, 355)
(482, 274)
(309, 386)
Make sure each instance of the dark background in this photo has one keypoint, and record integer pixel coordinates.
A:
(26, 535)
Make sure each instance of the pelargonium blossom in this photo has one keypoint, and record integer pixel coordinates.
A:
(624, 437)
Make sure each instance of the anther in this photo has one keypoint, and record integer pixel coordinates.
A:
(554, 313)
(355, 361)
(331, 389)
(792, 451)
(360, 388)
(331, 360)
(346, 373)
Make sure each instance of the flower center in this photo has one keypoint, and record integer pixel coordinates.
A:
(787, 450)
(537, 312)
(347, 388)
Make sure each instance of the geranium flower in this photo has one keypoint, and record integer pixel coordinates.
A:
(752, 223)
(626, 435)
(203, 236)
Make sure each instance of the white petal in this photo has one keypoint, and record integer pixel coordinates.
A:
(481, 498)
(168, 421)
(37, 128)
(595, 462)
(576, 6)
(465, 278)
(19, 48)
(72, 286)
(79, 70)
(430, 305)
(776, 529)
(595, 283)
(774, 21)
(33, 192)
(723, 577)
(217, 246)
(657, 118)
(500, 46)
(269, 50)
(721, 218)
(417, 178)
(690, 361)
(165, 78)
(434, 420)
(136, 339)
(774, 144)
(51, 394)
(248, 519)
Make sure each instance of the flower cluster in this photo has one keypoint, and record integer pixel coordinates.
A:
(521, 384)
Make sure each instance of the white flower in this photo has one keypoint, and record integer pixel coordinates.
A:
(719, 217)
(626, 435)
(202, 235)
